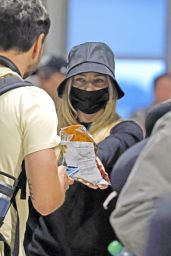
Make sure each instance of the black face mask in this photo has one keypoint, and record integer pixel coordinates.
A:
(89, 102)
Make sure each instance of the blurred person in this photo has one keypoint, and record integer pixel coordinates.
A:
(162, 92)
(158, 241)
(125, 163)
(136, 214)
(24, 112)
(89, 96)
(51, 72)
(32, 78)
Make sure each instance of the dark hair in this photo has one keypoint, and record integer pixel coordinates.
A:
(160, 77)
(21, 22)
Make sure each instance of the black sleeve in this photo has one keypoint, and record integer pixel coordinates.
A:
(121, 137)
(124, 165)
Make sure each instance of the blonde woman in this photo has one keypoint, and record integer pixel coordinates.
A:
(94, 106)
(89, 94)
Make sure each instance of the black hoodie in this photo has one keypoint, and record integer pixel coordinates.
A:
(81, 226)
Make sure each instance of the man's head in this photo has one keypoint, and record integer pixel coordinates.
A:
(51, 72)
(23, 27)
(162, 88)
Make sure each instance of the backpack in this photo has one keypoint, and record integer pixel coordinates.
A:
(7, 192)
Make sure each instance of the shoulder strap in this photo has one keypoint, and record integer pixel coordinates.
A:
(7, 84)
(12, 82)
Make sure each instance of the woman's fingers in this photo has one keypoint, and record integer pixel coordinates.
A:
(93, 186)
(102, 170)
(88, 184)
(103, 186)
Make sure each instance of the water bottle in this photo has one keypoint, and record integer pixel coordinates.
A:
(116, 249)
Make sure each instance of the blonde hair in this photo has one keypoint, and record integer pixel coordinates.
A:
(100, 128)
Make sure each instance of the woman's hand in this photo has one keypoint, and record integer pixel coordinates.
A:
(88, 184)
(102, 170)
(103, 174)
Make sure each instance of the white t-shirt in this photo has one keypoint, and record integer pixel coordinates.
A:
(28, 123)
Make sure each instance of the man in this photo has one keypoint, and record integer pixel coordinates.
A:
(162, 92)
(51, 72)
(149, 183)
(158, 242)
(28, 122)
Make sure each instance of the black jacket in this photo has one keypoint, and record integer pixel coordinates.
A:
(124, 165)
(81, 226)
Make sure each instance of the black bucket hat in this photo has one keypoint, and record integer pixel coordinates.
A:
(91, 57)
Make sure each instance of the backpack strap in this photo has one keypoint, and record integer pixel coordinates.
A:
(7, 249)
(17, 232)
(7, 84)
(9, 64)
(12, 82)
(22, 182)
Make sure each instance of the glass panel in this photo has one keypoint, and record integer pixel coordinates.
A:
(130, 27)
(136, 79)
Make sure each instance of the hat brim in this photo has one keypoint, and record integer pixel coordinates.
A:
(89, 67)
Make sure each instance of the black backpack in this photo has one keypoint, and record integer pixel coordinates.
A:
(7, 192)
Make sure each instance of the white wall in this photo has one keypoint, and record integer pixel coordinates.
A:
(57, 38)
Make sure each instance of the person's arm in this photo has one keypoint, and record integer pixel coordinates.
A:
(47, 186)
(122, 136)
(47, 183)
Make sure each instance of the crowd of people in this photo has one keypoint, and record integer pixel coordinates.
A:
(55, 215)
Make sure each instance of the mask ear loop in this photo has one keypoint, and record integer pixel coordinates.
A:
(8, 63)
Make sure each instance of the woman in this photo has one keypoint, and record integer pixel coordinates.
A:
(89, 94)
